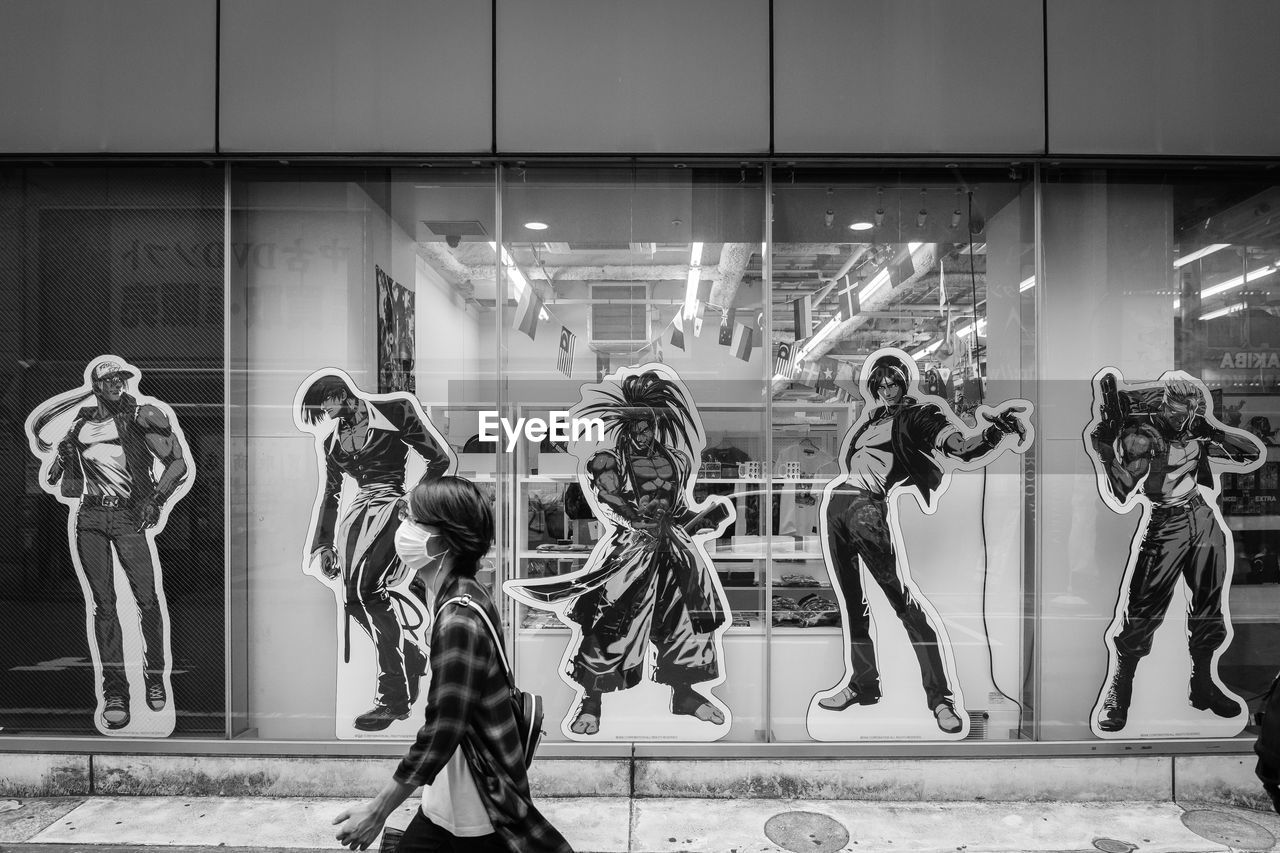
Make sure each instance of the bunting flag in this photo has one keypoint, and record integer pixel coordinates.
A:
(727, 327)
(807, 371)
(849, 303)
(527, 312)
(826, 378)
(677, 332)
(802, 315)
(744, 338)
(698, 308)
(784, 364)
(602, 365)
(564, 358)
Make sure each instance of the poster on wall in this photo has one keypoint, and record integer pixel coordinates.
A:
(1159, 448)
(117, 459)
(646, 612)
(396, 335)
(370, 449)
(899, 677)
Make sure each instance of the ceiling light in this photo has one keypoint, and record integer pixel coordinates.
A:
(1200, 253)
(880, 280)
(861, 226)
(536, 226)
(929, 350)
(1236, 282)
(1026, 284)
(1222, 312)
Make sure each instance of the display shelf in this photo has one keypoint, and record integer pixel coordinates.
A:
(1245, 523)
(787, 556)
(554, 555)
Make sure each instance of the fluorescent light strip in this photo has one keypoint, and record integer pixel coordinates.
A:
(911, 247)
(822, 335)
(1222, 312)
(1027, 283)
(878, 281)
(929, 350)
(968, 330)
(1254, 275)
(1200, 253)
(695, 276)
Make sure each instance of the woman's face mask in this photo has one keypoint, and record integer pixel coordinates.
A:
(420, 547)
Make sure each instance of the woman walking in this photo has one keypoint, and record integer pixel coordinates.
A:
(467, 753)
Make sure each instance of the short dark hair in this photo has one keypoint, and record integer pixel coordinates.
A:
(461, 513)
(889, 368)
(327, 386)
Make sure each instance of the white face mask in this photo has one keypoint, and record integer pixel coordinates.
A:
(419, 548)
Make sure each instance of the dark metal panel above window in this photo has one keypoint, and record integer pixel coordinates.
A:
(1171, 77)
(908, 76)
(130, 76)
(610, 76)
(323, 76)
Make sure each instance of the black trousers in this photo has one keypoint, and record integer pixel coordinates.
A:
(98, 531)
(368, 557)
(1182, 541)
(423, 836)
(857, 526)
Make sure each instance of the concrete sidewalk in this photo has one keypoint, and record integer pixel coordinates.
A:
(622, 825)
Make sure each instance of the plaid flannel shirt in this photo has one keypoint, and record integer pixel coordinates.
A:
(469, 707)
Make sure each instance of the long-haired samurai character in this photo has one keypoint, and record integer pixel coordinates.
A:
(648, 583)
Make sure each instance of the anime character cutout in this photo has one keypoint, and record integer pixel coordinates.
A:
(902, 443)
(363, 444)
(1158, 446)
(120, 465)
(647, 601)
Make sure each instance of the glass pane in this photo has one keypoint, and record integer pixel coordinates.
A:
(1162, 389)
(114, 359)
(896, 570)
(635, 297)
(364, 350)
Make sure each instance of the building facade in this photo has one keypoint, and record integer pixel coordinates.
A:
(265, 265)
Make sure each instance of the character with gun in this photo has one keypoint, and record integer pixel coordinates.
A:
(647, 583)
(1158, 442)
(901, 442)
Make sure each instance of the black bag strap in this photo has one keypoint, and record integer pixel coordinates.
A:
(466, 601)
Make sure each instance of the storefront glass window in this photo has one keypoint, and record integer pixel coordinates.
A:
(900, 428)
(363, 343)
(111, 402)
(1159, 379)
(636, 298)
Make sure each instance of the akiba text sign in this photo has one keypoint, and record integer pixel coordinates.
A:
(558, 426)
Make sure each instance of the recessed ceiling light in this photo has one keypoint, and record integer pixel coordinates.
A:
(536, 226)
(861, 226)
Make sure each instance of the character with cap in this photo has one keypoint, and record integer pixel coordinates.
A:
(119, 462)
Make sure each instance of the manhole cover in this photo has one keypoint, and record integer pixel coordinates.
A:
(1112, 845)
(806, 832)
(1228, 829)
